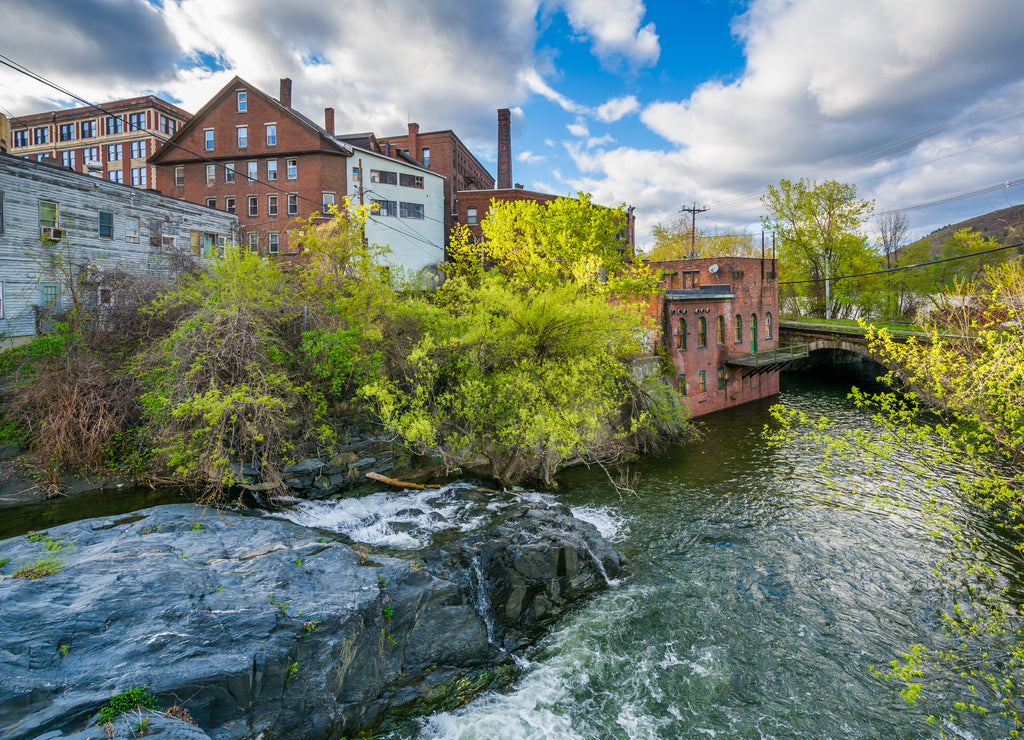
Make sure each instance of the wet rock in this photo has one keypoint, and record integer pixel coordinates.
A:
(261, 626)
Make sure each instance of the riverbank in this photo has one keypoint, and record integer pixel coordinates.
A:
(255, 624)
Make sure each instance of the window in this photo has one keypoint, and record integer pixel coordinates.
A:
(115, 125)
(67, 158)
(291, 168)
(1, 300)
(49, 296)
(702, 382)
(426, 157)
(702, 332)
(48, 216)
(681, 384)
(272, 204)
(271, 170)
(179, 176)
(168, 125)
(90, 154)
(385, 207)
(254, 205)
(106, 225)
(229, 172)
(113, 152)
(243, 103)
(254, 242)
(211, 173)
(21, 138)
(116, 176)
(251, 170)
(471, 217)
(139, 176)
(691, 280)
(355, 174)
(271, 134)
(384, 177)
(88, 129)
(208, 138)
(410, 181)
(243, 136)
(139, 149)
(293, 204)
(42, 135)
(410, 210)
(328, 202)
(105, 296)
(131, 230)
(67, 132)
(211, 202)
(137, 122)
(721, 378)
(272, 243)
(681, 334)
(1, 211)
(229, 204)
(721, 330)
(739, 328)
(767, 326)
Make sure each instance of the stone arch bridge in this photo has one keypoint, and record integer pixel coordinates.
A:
(842, 347)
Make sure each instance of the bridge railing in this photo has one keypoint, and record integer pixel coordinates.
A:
(770, 356)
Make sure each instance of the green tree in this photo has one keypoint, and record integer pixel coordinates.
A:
(817, 230)
(674, 242)
(563, 240)
(941, 285)
(974, 376)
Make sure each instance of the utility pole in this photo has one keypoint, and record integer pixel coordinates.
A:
(693, 210)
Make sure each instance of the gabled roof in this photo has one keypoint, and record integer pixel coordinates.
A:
(364, 141)
(405, 160)
(201, 114)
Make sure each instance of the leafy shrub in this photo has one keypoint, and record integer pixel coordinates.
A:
(126, 701)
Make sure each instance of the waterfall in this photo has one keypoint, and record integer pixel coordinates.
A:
(483, 608)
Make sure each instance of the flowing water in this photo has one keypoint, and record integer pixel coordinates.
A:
(755, 607)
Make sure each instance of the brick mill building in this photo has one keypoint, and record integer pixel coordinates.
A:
(719, 323)
(444, 153)
(246, 153)
(113, 140)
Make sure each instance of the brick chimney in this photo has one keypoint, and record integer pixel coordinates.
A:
(414, 131)
(286, 92)
(329, 120)
(504, 149)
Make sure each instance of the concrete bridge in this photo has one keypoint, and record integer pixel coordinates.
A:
(842, 347)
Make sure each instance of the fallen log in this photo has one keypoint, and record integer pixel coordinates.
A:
(394, 482)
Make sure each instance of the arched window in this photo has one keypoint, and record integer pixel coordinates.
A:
(721, 378)
(767, 326)
(739, 328)
(681, 384)
(702, 332)
(702, 382)
(681, 334)
(721, 330)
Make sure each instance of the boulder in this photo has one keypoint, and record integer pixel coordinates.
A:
(259, 626)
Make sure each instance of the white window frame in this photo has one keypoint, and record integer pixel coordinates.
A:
(209, 141)
(229, 204)
(293, 204)
(252, 170)
(229, 172)
(114, 152)
(252, 205)
(271, 170)
(179, 176)
(326, 200)
(272, 134)
(211, 174)
(242, 136)
(291, 168)
(471, 216)
(272, 205)
(273, 244)
(131, 229)
(243, 101)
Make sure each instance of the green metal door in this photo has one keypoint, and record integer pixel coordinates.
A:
(753, 333)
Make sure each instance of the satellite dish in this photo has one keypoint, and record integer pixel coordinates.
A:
(713, 269)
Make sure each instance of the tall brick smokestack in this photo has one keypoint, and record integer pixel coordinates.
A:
(414, 146)
(504, 149)
(329, 120)
(285, 97)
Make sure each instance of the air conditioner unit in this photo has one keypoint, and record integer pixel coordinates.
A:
(52, 232)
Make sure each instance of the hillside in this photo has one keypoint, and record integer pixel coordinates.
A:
(1006, 226)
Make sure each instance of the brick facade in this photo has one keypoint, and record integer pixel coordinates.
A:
(714, 310)
(310, 164)
(448, 157)
(465, 200)
(118, 137)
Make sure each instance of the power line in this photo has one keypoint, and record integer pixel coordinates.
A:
(904, 267)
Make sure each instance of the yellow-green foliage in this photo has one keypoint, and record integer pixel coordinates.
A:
(974, 377)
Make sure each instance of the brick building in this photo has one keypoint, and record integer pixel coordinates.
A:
(246, 153)
(444, 153)
(114, 139)
(718, 317)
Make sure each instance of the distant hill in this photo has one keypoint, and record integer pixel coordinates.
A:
(1005, 226)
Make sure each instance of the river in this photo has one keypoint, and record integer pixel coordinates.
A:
(755, 608)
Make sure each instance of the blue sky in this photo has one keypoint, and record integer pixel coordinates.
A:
(920, 103)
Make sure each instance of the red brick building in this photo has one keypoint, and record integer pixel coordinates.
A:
(444, 153)
(246, 153)
(113, 140)
(719, 324)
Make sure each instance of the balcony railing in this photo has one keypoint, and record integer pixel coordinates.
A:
(771, 356)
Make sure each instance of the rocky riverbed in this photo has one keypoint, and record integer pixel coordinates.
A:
(315, 622)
